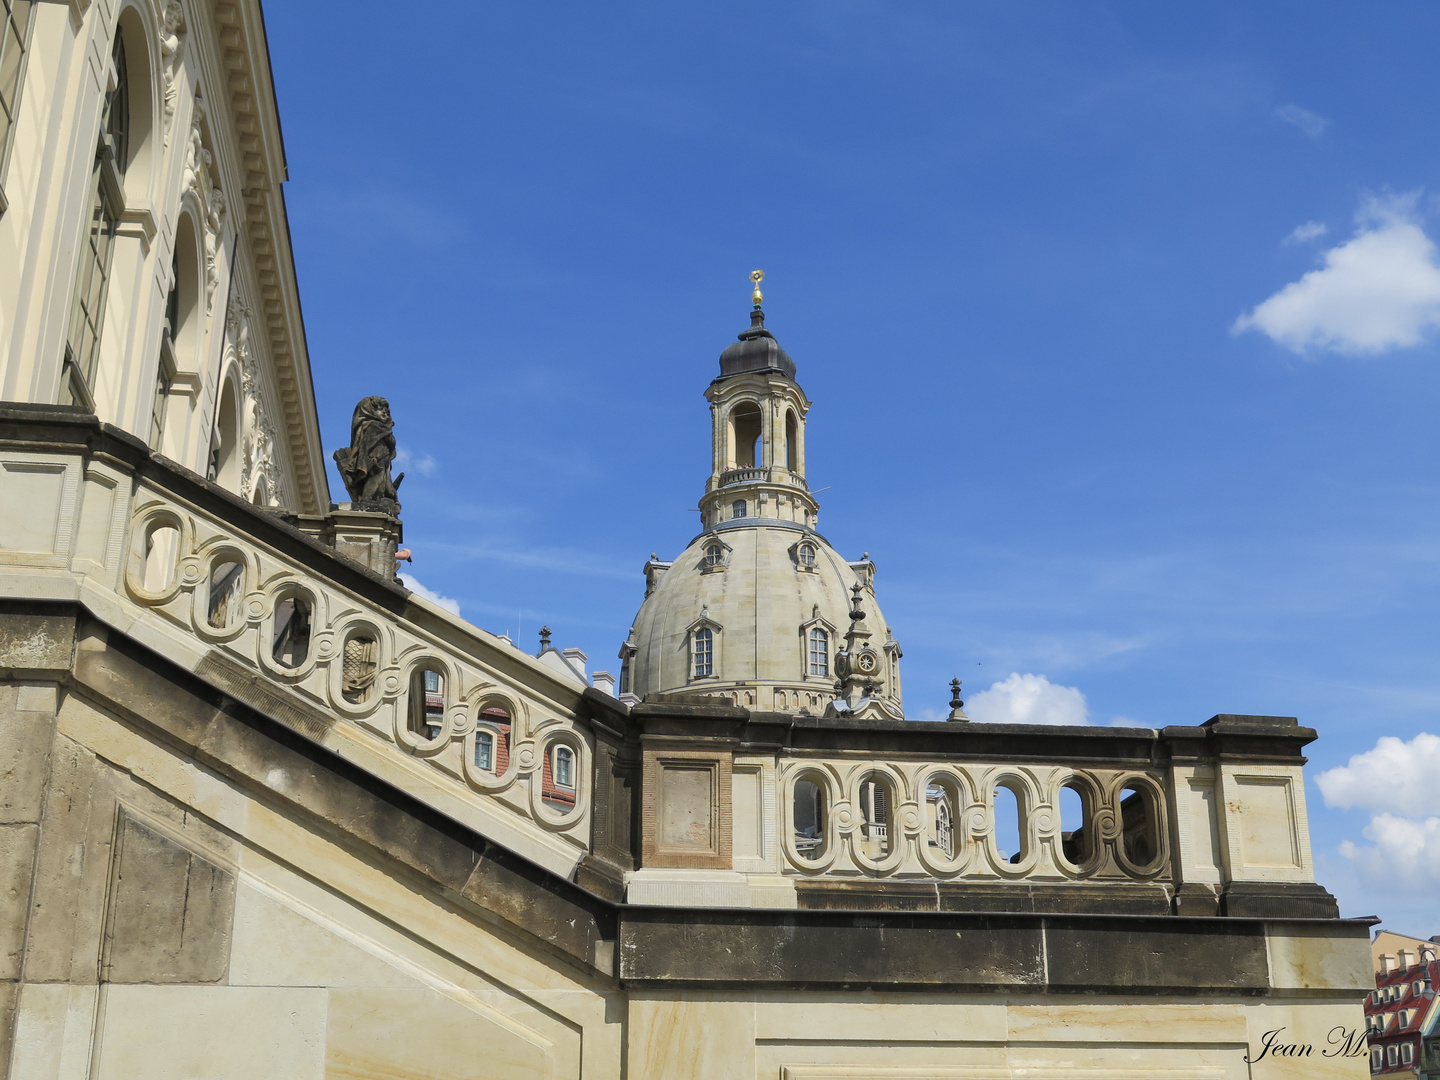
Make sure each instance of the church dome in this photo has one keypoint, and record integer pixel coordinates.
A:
(756, 350)
(759, 610)
(776, 600)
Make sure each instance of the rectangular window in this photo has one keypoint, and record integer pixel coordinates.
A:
(485, 751)
(1407, 1054)
(14, 40)
(1377, 1059)
(819, 652)
(82, 343)
(164, 381)
(1391, 1055)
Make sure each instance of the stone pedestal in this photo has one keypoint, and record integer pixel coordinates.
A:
(369, 538)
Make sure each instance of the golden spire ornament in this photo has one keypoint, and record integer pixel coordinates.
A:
(757, 276)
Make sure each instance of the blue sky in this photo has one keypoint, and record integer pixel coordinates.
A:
(1118, 320)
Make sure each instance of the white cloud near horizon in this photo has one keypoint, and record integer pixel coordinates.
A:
(1396, 781)
(1395, 777)
(452, 606)
(1311, 125)
(1379, 290)
(1308, 231)
(1028, 699)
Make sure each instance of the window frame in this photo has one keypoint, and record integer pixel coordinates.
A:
(11, 115)
(702, 642)
(820, 634)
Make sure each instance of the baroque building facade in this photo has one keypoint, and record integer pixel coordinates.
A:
(266, 813)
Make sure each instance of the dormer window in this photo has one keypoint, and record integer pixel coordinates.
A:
(805, 555)
(714, 556)
(819, 651)
(738, 509)
(703, 652)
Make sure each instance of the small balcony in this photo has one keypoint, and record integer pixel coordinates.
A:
(751, 474)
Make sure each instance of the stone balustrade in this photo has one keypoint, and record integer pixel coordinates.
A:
(666, 803)
(455, 716)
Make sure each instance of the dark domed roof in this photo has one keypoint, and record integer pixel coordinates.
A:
(757, 350)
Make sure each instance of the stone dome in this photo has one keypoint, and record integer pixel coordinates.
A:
(761, 601)
(756, 350)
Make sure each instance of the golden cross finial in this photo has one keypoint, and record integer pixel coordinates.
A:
(757, 276)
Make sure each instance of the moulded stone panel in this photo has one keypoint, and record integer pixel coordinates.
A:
(423, 1034)
(686, 812)
(215, 1032)
(39, 487)
(170, 912)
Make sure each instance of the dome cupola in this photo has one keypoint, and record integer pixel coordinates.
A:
(759, 610)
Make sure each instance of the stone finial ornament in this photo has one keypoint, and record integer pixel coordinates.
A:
(365, 464)
(957, 707)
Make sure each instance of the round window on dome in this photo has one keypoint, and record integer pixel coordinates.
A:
(714, 556)
(805, 555)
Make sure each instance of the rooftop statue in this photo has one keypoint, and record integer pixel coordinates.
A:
(365, 464)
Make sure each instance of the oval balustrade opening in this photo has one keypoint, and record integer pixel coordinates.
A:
(426, 716)
(942, 804)
(161, 544)
(227, 584)
(360, 660)
(557, 781)
(1005, 805)
(877, 805)
(1138, 827)
(1075, 836)
(290, 645)
(809, 813)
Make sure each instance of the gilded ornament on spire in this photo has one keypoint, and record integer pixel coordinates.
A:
(757, 276)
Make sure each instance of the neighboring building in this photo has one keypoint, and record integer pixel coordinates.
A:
(266, 813)
(1402, 1012)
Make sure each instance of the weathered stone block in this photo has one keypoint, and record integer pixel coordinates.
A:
(17, 865)
(25, 739)
(36, 639)
(170, 912)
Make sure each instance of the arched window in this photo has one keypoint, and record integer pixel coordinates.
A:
(704, 652)
(714, 555)
(805, 555)
(746, 422)
(738, 509)
(876, 802)
(819, 651)
(791, 450)
(87, 314)
(225, 452)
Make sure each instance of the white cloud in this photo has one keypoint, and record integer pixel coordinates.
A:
(1309, 231)
(452, 606)
(1028, 699)
(1395, 776)
(425, 465)
(1405, 853)
(1379, 290)
(1310, 125)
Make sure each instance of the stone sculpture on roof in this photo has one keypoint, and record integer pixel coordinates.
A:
(365, 464)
